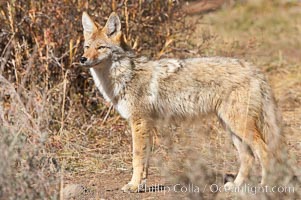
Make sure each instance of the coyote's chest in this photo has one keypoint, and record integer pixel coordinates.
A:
(110, 91)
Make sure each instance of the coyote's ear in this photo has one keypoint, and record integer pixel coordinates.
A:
(113, 25)
(88, 25)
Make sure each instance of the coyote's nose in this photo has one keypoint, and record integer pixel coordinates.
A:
(83, 60)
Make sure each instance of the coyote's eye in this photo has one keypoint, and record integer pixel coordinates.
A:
(86, 47)
(101, 47)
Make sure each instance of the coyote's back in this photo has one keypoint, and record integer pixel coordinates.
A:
(145, 91)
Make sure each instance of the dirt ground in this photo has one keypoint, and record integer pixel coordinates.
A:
(103, 164)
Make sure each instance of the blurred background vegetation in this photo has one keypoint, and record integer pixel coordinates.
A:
(55, 127)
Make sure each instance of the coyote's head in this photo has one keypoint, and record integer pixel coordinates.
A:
(101, 43)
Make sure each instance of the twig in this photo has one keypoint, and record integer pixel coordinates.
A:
(64, 101)
(107, 115)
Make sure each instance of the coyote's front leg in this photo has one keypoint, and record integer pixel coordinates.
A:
(141, 129)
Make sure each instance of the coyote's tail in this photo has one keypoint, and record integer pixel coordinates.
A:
(269, 120)
(273, 136)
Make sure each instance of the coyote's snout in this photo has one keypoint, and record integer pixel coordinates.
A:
(146, 91)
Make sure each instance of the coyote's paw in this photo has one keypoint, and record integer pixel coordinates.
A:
(229, 186)
(130, 188)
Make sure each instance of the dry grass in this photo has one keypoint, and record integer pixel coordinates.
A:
(57, 130)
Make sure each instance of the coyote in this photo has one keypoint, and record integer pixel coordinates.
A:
(146, 91)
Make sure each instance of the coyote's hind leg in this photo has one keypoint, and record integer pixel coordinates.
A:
(246, 160)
